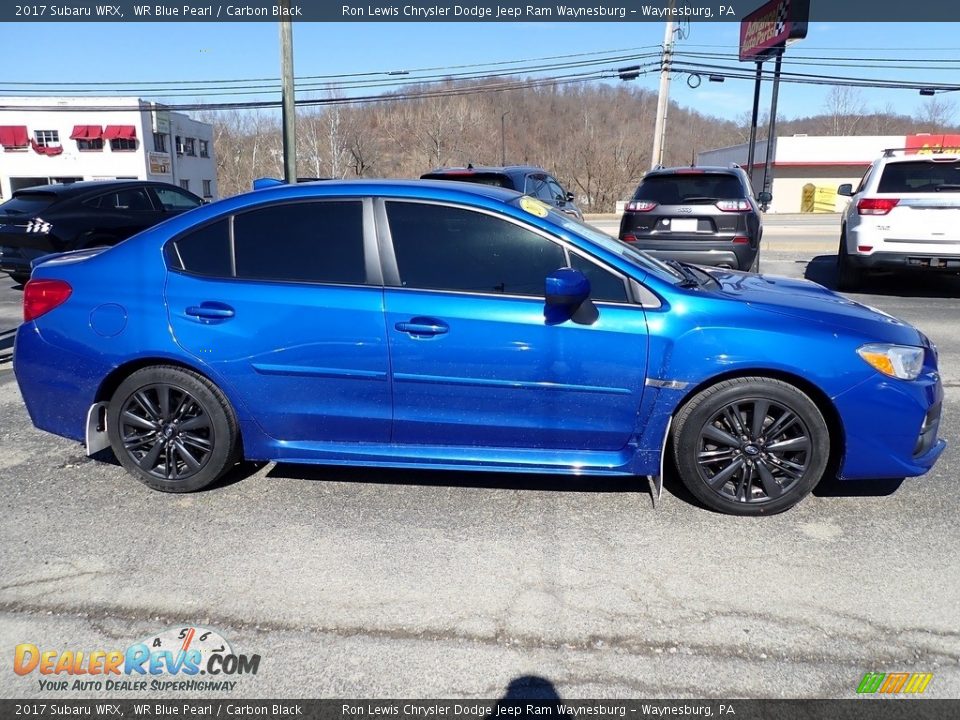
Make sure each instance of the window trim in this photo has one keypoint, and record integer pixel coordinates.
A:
(388, 258)
(370, 257)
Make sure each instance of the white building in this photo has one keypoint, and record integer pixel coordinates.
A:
(66, 139)
(807, 169)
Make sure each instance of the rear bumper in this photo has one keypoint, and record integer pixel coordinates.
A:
(698, 251)
(883, 260)
(17, 260)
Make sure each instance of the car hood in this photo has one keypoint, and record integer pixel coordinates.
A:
(806, 300)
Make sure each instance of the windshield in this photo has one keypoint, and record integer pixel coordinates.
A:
(27, 203)
(609, 243)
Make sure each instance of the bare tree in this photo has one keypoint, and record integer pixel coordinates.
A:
(844, 109)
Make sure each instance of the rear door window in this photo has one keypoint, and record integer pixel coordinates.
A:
(302, 242)
(128, 200)
(690, 188)
(921, 176)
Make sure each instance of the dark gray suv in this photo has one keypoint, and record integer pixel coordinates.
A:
(528, 179)
(702, 215)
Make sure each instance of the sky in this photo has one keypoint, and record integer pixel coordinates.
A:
(189, 52)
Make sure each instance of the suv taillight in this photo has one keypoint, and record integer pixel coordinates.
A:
(876, 206)
(42, 296)
(640, 206)
(734, 205)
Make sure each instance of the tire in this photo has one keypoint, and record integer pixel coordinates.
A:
(20, 278)
(756, 478)
(755, 268)
(172, 429)
(849, 277)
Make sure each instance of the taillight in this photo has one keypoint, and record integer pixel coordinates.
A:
(630, 238)
(734, 205)
(876, 206)
(42, 296)
(641, 205)
(741, 240)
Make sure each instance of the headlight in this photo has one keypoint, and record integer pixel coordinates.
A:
(899, 361)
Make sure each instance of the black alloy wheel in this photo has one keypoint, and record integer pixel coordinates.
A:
(751, 446)
(172, 429)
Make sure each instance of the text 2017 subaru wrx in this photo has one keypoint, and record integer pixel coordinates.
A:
(442, 325)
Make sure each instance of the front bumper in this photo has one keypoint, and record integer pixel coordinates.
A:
(891, 427)
(696, 250)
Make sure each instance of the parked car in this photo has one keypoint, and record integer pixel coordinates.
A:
(904, 215)
(45, 219)
(530, 180)
(456, 326)
(703, 215)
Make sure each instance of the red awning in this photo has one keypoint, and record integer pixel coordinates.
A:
(86, 132)
(13, 136)
(120, 132)
(46, 149)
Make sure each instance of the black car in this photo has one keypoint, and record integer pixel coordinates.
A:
(527, 179)
(702, 215)
(46, 219)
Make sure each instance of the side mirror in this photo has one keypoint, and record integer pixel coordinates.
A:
(765, 198)
(567, 288)
(570, 197)
(846, 189)
(568, 298)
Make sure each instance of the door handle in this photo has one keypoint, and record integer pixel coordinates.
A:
(211, 311)
(423, 326)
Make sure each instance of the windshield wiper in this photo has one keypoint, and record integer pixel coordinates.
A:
(950, 187)
(698, 199)
(689, 277)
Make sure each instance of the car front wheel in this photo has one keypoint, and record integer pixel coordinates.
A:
(751, 446)
(172, 429)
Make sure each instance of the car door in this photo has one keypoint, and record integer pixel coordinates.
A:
(473, 360)
(282, 303)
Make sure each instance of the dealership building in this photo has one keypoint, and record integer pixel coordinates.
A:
(807, 169)
(67, 139)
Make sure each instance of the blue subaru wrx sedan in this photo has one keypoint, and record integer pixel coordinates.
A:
(443, 325)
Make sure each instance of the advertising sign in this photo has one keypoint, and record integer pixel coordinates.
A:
(771, 26)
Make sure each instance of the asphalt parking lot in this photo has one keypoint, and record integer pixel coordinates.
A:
(379, 583)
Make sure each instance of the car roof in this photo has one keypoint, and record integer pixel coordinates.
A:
(505, 169)
(409, 188)
(695, 169)
(65, 190)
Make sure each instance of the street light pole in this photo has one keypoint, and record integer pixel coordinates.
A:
(289, 108)
(503, 138)
(663, 99)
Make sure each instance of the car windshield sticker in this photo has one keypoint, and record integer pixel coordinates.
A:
(534, 206)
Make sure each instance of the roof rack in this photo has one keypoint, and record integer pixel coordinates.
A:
(938, 150)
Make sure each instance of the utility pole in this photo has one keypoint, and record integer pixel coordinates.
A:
(289, 108)
(503, 138)
(663, 99)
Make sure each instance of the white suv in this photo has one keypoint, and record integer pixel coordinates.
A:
(905, 214)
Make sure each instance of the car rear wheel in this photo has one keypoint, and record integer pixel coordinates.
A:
(755, 268)
(849, 276)
(751, 446)
(20, 278)
(172, 429)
